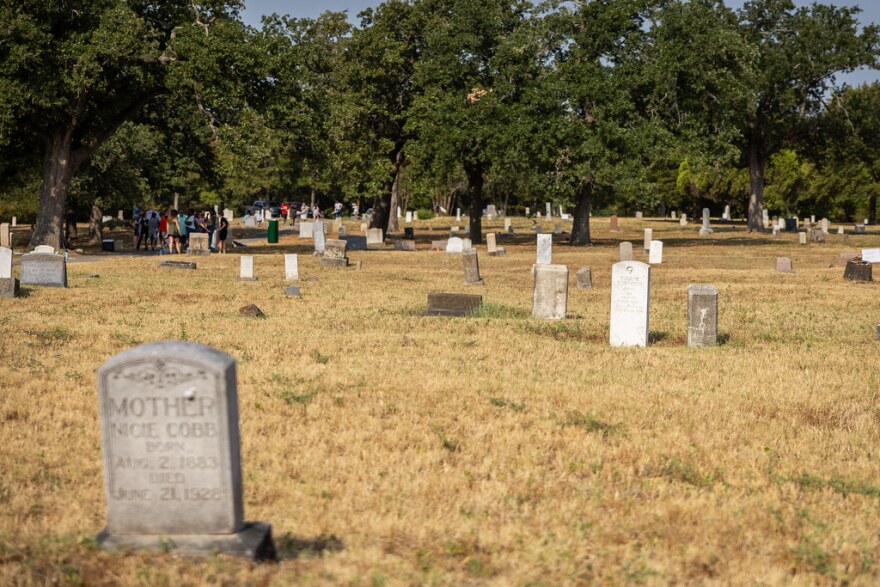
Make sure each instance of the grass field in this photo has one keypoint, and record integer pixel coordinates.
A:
(391, 449)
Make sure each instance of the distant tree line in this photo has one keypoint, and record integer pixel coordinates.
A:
(597, 105)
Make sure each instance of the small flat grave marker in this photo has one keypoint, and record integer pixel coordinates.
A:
(450, 304)
(178, 264)
(783, 264)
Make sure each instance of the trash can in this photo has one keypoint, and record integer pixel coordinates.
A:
(273, 231)
(790, 224)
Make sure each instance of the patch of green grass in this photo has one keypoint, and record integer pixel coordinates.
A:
(498, 311)
(502, 403)
(591, 424)
(446, 442)
(685, 472)
(838, 484)
(302, 399)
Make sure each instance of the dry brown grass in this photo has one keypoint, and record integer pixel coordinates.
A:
(387, 448)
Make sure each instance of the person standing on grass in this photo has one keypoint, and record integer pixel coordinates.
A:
(337, 210)
(163, 231)
(222, 233)
(153, 226)
(181, 225)
(142, 232)
(173, 233)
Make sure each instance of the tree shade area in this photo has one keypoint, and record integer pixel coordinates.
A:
(605, 106)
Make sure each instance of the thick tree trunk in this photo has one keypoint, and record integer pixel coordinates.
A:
(58, 169)
(475, 189)
(757, 163)
(96, 226)
(580, 228)
(381, 210)
(394, 202)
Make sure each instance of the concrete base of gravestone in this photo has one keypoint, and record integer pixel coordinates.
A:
(178, 264)
(330, 262)
(857, 270)
(254, 542)
(498, 252)
(248, 278)
(449, 304)
(705, 231)
(292, 291)
(9, 287)
(584, 278)
(405, 245)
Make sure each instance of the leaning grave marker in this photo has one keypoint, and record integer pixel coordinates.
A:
(170, 440)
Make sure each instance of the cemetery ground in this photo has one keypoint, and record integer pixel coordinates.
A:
(389, 448)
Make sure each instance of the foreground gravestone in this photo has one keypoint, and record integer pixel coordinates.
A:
(858, 270)
(319, 237)
(5, 235)
(291, 267)
(550, 293)
(630, 303)
(702, 315)
(783, 264)
(544, 254)
(198, 244)
(471, 267)
(655, 253)
(178, 264)
(374, 239)
(44, 269)
(626, 251)
(9, 286)
(335, 253)
(649, 236)
(449, 304)
(246, 272)
(584, 277)
(170, 439)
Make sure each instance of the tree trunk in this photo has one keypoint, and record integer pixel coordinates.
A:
(57, 173)
(757, 162)
(580, 228)
(872, 208)
(475, 189)
(312, 205)
(381, 211)
(96, 226)
(394, 202)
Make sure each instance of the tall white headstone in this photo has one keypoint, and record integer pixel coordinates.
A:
(291, 267)
(545, 249)
(491, 244)
(705, 229)
(630, 303)
(14, 221)
(399, 212)
(549, 209)
(409, 216)
(319, 237)
(649, 236)
(655, 254)
(458, 214)
(5, 263)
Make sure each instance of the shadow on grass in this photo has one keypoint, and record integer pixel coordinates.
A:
(655, 336)
(291, 547)
(496, 310)
(723, 338)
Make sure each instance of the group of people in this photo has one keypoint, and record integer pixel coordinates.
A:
(168, 232)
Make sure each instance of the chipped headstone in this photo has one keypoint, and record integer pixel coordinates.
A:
(630, 303)
(550, 293)
(172, 464)
(335, 253)
(471, 266)
(702, 315)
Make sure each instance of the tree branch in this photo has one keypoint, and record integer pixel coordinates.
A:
(85, 152)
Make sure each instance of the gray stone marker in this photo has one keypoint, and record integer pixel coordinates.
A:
(614, 223)
(550, 293)
(291, 267)
(702, 315)
(170, 439)
(178, 264)
(44, 269)
(491, 243)
(584, 278)
(649, 236)
(817, 235)
(471, 267)
(405, 245)
(860, 229)
(198, 244)
(374, 239)
(9, 286)
(655, 253)
(292, 291)
(319, 237)
(449, 304)
(306, 229)
(5, 235)
(783, 264)
(705, 229)
(630, 303)
(626, 251)
(544, 255)
(334, 253)
(246, 272)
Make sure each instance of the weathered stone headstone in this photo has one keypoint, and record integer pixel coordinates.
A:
(545, 249)
(471, 268)
(508, 227)
(683, 221)
(454, 229)
(639, 215)
(306, 229)
(765, 218)
(630, 303)
(336, 226)
(439, 245)
(291, 267)
(783, 264)
(363, 227)
(550, 293)
(727, 212)
(860, 229)
(5, 235)
(584, 277)
(614, 223)
(528, 211)
(251, 311)
(399, 212)
(491, 245)
(405, 245)
(705, 229)
(44, 269)
(8, 284)
(557, 229)
(626, 251)
(857, 270)
(335, 253)
(415, 214)
(702, 315)
(47, 249)
(839, 230)
(549, 209)
(449, 304)
(178, 264)
(292, 291)
(817, 235)
(374, 239)
(246, 272)
(458, 214)
(454, 245)
(825, 225)
(198, 244)
(655, 254)
(14, 222)
(466, 244)
(649, 236)
(491, 211)
(802, 238)
(251, 222)
(172, 465)
(842, 258)
(342, 232)
(673, 215)
(318, 237)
